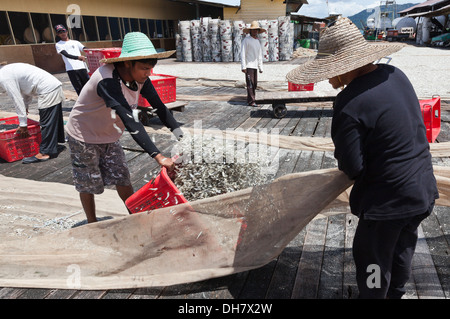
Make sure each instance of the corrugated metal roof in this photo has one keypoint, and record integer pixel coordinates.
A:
(425, 4)
(441, 11)
(225, 3)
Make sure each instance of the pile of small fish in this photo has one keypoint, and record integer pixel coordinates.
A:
(207, 171)
(29, 226)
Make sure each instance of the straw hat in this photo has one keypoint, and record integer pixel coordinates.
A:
(254, 26)
(137, 46)
(342, 48)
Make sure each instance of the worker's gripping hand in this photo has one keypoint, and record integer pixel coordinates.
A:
(22, 131)
(166, 162)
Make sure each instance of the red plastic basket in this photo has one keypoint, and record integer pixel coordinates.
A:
(431, 112)
(300, 87)
(165, 86)
(95, 55)
(14, 148)
(158, 193)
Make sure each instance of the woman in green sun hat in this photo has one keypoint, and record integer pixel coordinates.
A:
(106, 108)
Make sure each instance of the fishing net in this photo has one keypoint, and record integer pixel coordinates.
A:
(205, 238)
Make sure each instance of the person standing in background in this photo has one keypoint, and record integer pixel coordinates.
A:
(74, 61)
(251, 60)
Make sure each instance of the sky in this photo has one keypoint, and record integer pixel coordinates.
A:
(319, 9)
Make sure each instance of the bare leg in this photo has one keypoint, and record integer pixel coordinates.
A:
(88, 203)
(125, 192)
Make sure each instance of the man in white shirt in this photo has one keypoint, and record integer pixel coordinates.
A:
(70, 51)
(251, 60)
(21, 82)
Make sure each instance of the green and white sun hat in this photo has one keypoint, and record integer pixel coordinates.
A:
(137, 46)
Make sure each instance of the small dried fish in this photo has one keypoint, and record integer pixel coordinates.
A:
(205, 171)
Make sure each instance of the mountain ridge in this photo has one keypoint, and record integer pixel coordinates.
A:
(360, 18)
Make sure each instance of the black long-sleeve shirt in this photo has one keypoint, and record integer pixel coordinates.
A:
(103, 111)
(70, 56)
(380, 142)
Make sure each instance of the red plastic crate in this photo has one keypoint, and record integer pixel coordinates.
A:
(95, 55)
(431, 112)
(165, 86)
(158, 193)
(14, 148)
(300, 87)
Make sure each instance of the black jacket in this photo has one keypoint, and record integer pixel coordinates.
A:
(380, 142)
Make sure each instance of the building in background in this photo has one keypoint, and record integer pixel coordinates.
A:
(250, 10)
(433, 21)
(253, 10)
(27, 34)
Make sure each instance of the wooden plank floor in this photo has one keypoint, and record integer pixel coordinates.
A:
(317, 264)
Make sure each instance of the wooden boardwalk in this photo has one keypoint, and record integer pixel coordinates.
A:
(317, 264)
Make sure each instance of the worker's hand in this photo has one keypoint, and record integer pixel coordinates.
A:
(166, 162)
(244, 70)
(82, 58)
(260, 71)
(22, 131)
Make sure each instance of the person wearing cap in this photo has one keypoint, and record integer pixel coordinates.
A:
(74, 61)
(22, 82)
(251, 60)
(380, 143)
(106, 107)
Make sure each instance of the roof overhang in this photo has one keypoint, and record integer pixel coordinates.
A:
(432, 13)
(307, 19)
(427, 8)
(294, 5)
(220, 4)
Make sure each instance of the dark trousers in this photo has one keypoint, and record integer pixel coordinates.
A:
(251, 79)
(383, 252)
(78, 78)
(52, 129)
